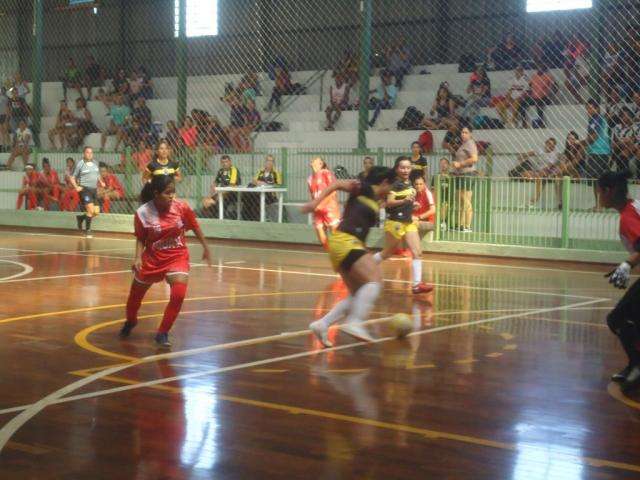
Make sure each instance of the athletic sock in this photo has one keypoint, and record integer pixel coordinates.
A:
(337, 312)
(136, 294)
(88, 223)
(178, 292)
(377, 257)
(416, 270)
(363, 301)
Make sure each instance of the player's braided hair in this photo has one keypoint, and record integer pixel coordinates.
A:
(158, 184)
(616, 181)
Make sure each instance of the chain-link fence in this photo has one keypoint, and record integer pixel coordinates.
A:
(344, 79)
(239, 75)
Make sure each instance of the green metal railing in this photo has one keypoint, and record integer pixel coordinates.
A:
(547, 213)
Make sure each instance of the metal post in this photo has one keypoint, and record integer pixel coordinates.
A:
(181, 60)
(380, 156)
(36, 69)
(438, 207)
(129, 174)
(284, 155)
(366, 10)
(566, 197)
(122, 31)
(442, 31)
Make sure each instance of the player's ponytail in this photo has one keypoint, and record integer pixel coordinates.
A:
(158, 184)
(379, 174)
(617, 182)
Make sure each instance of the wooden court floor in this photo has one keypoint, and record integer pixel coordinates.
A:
(505, 376)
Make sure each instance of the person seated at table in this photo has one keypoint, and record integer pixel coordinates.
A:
(268, 176)
(109, 188)
(228, 176)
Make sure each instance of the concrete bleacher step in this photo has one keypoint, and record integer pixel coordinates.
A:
(502, 141)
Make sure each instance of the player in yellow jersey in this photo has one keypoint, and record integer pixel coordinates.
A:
(400, 224)
(348, 252)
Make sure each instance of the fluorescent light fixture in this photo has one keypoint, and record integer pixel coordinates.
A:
(555, 5)
(202, 18)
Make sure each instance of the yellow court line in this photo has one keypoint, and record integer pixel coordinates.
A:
(81, 338)
(429, 434)
(148, 302)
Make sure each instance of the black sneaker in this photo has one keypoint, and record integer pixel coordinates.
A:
(125, 331)
(632, 381)
(621, 376)
(162, 340)
(80, 221)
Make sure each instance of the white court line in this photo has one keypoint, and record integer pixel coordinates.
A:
(42, 253)
(405, 282)
(9, 429)
(23, 250)
(470, 287)
(26, 270)
(316, 274)
(309, 252)
(56, 277)
(281, 336)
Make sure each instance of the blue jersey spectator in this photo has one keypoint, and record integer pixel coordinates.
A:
(384, 96)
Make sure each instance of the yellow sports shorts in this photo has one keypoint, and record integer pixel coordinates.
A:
(340, 246)
(399, 229)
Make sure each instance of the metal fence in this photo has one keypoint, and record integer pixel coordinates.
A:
(261, 74)
(551, 213)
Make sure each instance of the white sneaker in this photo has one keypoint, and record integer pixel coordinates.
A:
(356, 330)
(320, 331)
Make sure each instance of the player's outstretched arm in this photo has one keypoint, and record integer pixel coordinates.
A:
(620, 276)
(342, 185)
(206, 253)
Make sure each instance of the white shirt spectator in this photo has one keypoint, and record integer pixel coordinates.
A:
(518, 86)
(24, 137)
(620, 131)
(544, 159)
(22, 89)
(338, 94)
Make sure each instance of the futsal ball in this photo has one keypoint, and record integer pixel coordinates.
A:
(401, 324)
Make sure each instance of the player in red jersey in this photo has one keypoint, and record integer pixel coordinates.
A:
(161, 252)
(32, 187)
(51, 184)
(69, 198)
(424, 207)
(327, 214)
(624, 319)
(109, 188)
